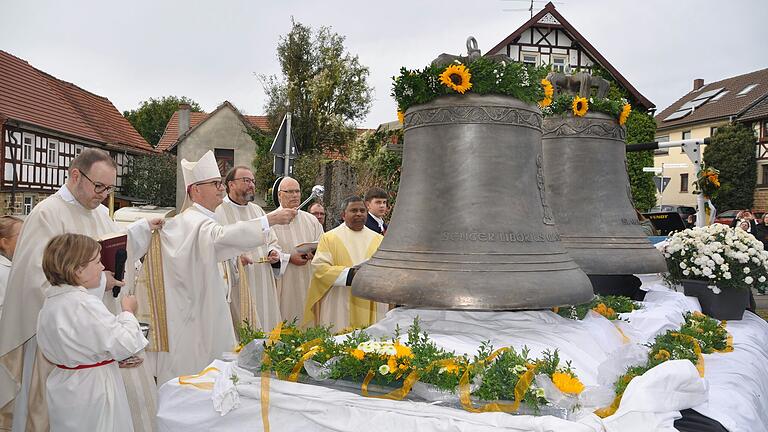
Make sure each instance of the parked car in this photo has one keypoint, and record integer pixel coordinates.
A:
(683, 211)
(727, 217)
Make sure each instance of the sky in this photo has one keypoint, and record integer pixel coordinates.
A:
(212, 51)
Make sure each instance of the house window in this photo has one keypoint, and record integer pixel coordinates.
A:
(664, 151)
(531, 59)
(764, 129)
(684, 182)
(712, 131)
(686, 135)
(78, 150)
(28, 204)
(27, 147)
(764, 175)
(558, 64)
(53, 152)
(225, 158)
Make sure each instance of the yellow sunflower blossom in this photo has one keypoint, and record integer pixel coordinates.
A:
(403, 351)
(358, 354)
(624, 114)
(392, 363)
(457, 78)
(549, 90)
(567, 383)
(662, 355)
(580, 106)
(545, 103)
(400, 117)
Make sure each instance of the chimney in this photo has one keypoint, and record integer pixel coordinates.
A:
(698, 83)
(184, 110)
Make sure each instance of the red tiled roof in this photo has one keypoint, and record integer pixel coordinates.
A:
(758, 111)
(550, 8)
(731, 104)
(31, 96)
(171, 133)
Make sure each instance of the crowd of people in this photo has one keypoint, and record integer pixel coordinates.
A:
(73, 355)
(747, 221)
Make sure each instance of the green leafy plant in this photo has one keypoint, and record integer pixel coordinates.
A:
(611, 307)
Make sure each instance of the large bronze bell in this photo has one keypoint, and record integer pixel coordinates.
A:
(473, 228)
(588, 188)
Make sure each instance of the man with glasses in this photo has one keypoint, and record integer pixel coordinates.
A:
(292, 286)
(75, 208)
(317, 210)
(192, 245)
(253, 293)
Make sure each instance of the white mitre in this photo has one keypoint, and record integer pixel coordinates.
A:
(197, 172)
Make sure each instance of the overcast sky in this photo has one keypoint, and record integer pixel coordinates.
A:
(209, 50)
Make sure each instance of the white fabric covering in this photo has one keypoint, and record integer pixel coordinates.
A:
(731, 393)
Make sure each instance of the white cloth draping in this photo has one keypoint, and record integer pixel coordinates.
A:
(731, 392)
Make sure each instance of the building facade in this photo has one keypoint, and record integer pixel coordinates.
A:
(698, 114)
(44, 124)
(549, 39)
(190, 135)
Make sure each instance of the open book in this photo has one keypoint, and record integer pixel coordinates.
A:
(306, 247)
(114, 247)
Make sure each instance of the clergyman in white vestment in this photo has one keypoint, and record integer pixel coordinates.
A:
(260, 303)
(193, 244)
(75, 208)
(292, 286)
(77, 333)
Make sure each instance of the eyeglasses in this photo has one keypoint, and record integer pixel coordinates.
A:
(246, 180)
(292, 191)
(99, 187)
(216, 183)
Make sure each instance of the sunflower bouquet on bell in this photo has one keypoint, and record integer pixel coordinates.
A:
(707, 182)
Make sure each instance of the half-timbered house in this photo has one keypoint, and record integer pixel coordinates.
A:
(698, 114)
(549, 39)
(44, 123)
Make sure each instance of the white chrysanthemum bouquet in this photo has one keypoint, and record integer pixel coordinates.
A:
(729, 258)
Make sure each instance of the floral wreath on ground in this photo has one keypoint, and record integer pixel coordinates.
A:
(482, 76)
(579, 106)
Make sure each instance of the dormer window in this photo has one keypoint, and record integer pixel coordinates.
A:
(746, 89)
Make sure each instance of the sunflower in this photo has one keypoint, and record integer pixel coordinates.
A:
(400, 117)
(549, 91)
(545, 102)
(567, 383)
(624, 114)
(456, 77)
(580, 106)
(358, 354)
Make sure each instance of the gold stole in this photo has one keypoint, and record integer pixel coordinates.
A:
(153, 266)
(246, 307)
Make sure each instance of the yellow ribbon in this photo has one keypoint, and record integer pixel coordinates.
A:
(311, 349)
(184, 379)
(274, 335)
(624, 338)
(522, 386)
(410, 380)
(610, 409)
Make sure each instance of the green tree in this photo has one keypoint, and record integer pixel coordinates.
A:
(641, 128)
(732, 151)
(152, 178)
(324, 87)
(152, 115)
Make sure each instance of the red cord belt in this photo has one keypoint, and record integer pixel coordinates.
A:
(88, 366)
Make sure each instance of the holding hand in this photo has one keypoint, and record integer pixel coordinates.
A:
(300, 259)
(156, 223)
(111, 281)
(273, 257)
(282, 216)
(245, 260)
(129, 304)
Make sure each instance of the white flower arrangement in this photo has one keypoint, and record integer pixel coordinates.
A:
(728, 258)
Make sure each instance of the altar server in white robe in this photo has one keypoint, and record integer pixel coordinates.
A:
(10, 226)
(259, 304)
(75, 208)
(341, 250)
(193, 244)
(78, 334)
(292, 286)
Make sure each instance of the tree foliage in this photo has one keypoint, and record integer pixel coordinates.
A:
(732, 151)
(375, 164)
(152, 178)
(152, 115)
(324, 87)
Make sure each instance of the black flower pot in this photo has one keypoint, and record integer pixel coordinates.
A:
(626, 285)
(728, 305)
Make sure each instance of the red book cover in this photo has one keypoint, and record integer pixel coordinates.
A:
(110, 244)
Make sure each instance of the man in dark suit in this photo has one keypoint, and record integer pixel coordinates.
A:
(376, 201)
